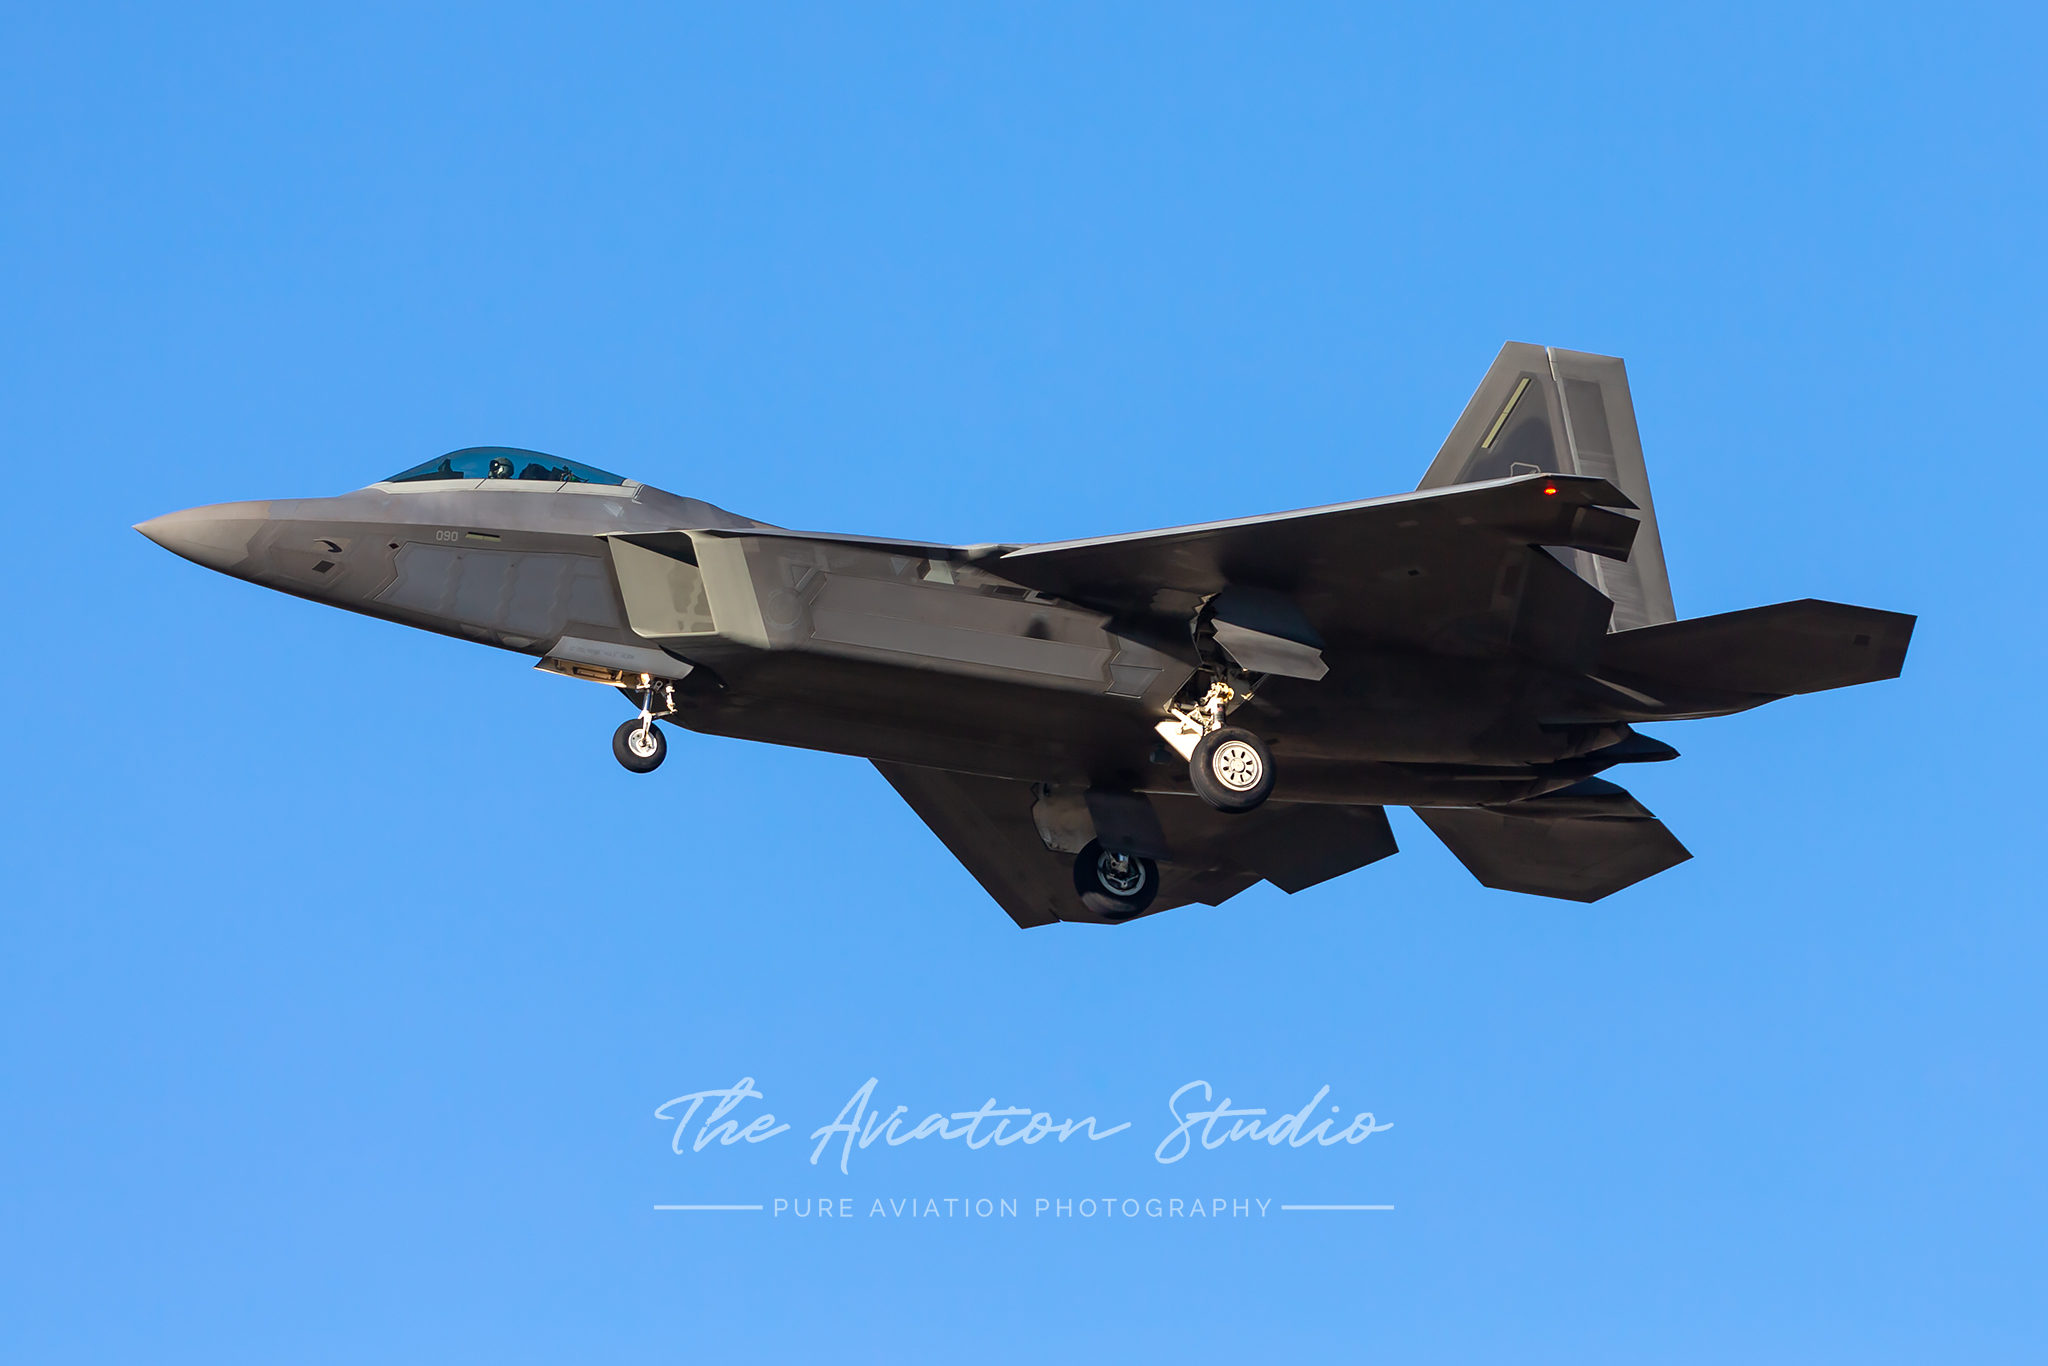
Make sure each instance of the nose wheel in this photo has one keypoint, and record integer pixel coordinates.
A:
(1113, 885)
(639, 744)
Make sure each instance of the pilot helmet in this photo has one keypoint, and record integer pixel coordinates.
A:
(501, 467)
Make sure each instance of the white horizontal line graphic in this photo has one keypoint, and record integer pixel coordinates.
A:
(709, 1207)
(1334, 1207)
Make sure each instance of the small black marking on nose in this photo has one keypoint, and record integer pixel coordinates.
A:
(323, 566)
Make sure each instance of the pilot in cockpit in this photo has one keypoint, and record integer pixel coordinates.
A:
(507, 463)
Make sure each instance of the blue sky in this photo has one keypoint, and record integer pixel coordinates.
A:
(344, 969)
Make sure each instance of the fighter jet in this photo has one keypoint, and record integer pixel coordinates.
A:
(1101, 729)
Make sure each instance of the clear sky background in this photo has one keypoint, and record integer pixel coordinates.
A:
(343, 967)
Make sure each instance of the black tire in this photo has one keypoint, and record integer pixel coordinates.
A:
(1114, 886)
(624, 750)
(1231, 769)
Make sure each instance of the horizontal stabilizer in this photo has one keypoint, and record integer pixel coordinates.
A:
(1565, 845)
(1759, 654)
(1300, 846)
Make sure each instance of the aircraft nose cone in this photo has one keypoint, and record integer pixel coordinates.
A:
(217, 537)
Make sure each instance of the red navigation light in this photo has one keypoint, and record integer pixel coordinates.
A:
(1549, 489)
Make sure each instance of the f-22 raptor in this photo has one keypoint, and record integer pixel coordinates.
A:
(1104, 728)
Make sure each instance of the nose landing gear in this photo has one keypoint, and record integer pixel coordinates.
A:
(638, 744)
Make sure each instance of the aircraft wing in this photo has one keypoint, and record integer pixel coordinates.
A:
(987, 824)
(1432, 568)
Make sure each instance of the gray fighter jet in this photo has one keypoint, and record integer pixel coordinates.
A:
(1103, 728)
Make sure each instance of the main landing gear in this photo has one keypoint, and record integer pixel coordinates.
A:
(1115, 886)
(639, 744)
(1229, 767)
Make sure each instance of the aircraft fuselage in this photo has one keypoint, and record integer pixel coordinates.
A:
(887, 650)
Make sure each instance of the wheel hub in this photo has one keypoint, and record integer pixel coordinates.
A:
(1237, 766)
(1120, 873)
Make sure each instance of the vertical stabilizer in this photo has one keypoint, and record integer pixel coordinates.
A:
(1542, 410)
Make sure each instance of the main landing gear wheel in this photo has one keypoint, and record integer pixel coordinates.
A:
(1231, 769)
(639, 745)
(1114, 886)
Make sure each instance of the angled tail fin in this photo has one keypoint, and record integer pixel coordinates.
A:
(1542, 410)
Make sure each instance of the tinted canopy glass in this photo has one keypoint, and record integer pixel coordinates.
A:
(505, 462)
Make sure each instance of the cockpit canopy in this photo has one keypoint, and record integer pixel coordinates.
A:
(505, 462)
